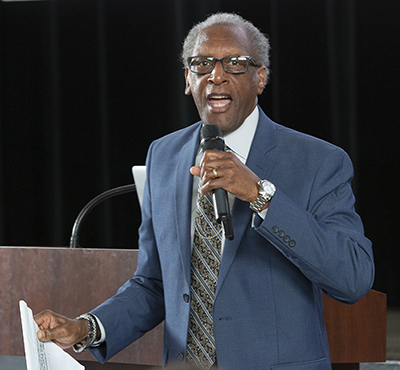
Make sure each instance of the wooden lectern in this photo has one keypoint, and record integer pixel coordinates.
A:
(73, 281)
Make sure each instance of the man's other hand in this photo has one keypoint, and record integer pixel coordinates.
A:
(61, 330)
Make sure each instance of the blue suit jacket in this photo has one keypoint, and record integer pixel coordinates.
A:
(268, 310)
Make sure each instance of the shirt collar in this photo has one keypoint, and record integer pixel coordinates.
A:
(239, 141)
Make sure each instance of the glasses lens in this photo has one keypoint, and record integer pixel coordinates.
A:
(235, 64)
(231, 64)
(201, 64)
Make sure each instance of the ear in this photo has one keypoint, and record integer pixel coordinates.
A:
(187, 87)
(262, 76)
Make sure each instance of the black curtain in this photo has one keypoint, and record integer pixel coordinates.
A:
(86, 85)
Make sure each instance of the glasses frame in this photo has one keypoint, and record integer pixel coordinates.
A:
(249, 61)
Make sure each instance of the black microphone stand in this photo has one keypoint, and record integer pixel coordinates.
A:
(93, 203)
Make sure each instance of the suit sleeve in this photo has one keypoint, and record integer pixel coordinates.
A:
(326, 239)
(138, 305)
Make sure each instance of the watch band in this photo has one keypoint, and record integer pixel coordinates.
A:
(92, 334)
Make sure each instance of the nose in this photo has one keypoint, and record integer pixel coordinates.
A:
(218, 75)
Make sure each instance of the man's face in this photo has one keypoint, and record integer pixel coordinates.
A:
(222, 98)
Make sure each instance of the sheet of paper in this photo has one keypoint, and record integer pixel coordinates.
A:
(42, 355)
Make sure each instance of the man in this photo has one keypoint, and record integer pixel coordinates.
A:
(296, 233)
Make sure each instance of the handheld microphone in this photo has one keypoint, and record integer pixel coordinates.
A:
(211, 138)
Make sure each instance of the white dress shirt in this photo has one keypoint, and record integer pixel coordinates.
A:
(238, 142)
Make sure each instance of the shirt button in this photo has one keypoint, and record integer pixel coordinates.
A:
(186, 298)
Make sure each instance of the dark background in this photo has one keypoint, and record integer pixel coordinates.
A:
(86, 85)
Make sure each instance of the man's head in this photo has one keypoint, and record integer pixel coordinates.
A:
(226, 92)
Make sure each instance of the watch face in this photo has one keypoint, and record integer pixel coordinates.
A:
(266, 192)
(268, 187)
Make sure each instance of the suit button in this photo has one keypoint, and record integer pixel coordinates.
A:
(186, 298)
(180, 356)
(292, 243)
(275, 229)
(281, 234)
(286, 239)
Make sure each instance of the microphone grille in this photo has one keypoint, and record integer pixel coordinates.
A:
(209, 131)
(211, 138)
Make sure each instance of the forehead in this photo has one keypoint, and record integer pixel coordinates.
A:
(222, 40)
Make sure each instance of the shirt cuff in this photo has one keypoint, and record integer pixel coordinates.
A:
(261, 214)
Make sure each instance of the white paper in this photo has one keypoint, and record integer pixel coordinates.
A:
(42, 355)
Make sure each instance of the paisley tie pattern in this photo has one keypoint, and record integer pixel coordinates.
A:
(205, 264)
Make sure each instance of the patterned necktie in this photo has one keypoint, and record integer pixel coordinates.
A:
(205, 263)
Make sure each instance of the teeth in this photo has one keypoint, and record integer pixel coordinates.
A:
(219, 97)
(218, 105)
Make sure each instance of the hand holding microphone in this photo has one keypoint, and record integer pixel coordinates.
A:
(211, 138)
(223, 170)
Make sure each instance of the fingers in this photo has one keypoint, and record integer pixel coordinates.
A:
(48, 323)
(63, 331)
(217, 178)
(215, 163)
(211, 168)
(225, 170)
(65, 335)
(48, 319)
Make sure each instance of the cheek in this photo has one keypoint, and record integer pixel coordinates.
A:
(249, 91)
(195, 89)
(200, 105)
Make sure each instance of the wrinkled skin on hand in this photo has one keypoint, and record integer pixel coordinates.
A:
(233, 175)
(61, 330)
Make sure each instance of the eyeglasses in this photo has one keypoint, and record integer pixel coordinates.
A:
(230, 64)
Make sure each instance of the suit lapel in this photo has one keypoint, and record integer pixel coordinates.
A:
(261, 161)
(183, 199)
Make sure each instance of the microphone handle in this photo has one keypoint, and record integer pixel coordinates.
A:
(222, 213)
(211, 138)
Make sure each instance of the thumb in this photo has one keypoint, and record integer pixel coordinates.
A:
(195, 170)
(44, 335)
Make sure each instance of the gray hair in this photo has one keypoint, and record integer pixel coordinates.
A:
(259, 42)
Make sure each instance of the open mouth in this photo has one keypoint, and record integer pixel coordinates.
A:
(219, 102)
